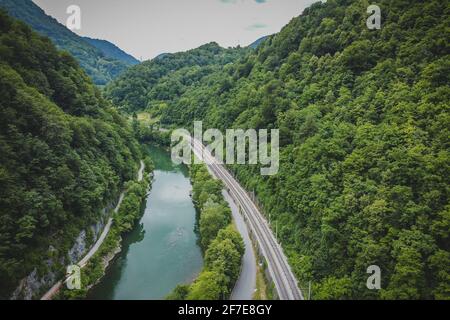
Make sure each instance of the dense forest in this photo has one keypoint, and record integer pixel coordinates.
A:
(65, 153)
(125, 219)
(100, 59)
(154, 84)
(363, 119)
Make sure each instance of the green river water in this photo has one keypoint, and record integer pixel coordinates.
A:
(162, 250)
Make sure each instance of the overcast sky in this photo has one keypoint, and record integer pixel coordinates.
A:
(146, 28)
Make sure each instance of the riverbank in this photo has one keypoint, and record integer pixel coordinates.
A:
(95, 262)
(252, 282)
(221, 243)
(162, 249)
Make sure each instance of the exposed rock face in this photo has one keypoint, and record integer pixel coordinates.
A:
(32, 285)
(78, 248)
(81, 245)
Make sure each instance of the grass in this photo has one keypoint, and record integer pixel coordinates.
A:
(146, 118)
(261, 284)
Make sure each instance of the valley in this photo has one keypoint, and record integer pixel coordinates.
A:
(337, 157)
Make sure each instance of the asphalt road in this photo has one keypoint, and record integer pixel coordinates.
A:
(279, 269)
(245, 286)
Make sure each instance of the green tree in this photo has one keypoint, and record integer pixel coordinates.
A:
(210, 285)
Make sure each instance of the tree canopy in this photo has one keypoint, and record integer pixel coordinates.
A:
(101, 60)
(64, 152)
(363, 119)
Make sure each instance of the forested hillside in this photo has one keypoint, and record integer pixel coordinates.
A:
(363, 116)
(156, 83)
(64, 153)
(100, 64)
(111, 50)
(258, 42)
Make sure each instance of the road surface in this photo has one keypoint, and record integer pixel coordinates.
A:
(245, 286)
(54, 290)
(279, 269)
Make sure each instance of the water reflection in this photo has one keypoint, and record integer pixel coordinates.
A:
(112, 277)
(161, 251)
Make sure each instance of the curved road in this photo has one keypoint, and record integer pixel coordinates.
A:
(245, 286)
(279, 269)
(55, 289)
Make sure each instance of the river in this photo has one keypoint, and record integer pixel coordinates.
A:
(161, 251)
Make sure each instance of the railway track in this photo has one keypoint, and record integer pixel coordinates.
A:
(282, 276)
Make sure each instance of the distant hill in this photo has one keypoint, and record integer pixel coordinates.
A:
(160, 56)
(363, 125)
(111, 50)
(256, 44)
(58, 137)
(164, 78)
(102, 65)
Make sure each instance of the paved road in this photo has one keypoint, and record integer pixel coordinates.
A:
(102, 237)
(245, 286)
(279, 269)
(54, 290)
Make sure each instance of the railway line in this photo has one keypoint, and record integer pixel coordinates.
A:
(279, 269)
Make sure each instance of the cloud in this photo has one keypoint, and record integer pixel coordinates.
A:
(256, 26)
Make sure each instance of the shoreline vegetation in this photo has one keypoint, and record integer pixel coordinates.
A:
(150, 131)
(363, 119)
(221, 243)
(364, 152)
(65, 152)
(124, 219)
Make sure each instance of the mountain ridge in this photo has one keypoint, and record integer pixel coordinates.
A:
(179, 71)
(100, 67)
(111, 50)
(258, 42)
(65, 153)
(364, 151)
